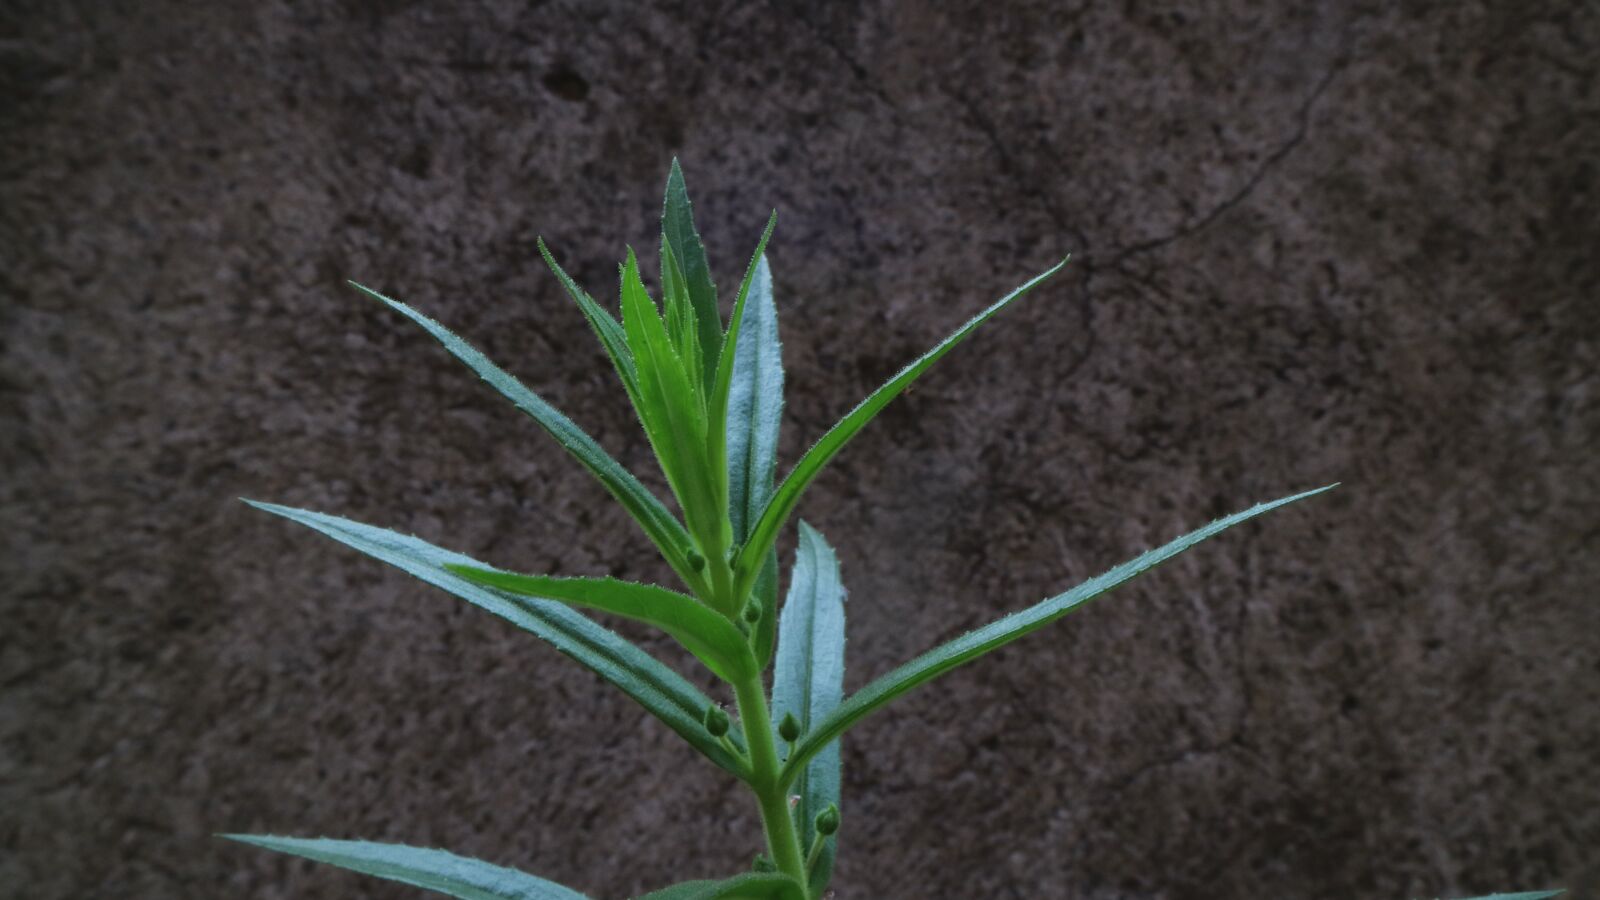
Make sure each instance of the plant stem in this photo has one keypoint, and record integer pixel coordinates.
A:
(782, 840)
(722, 584)
(718, 575)
(816, 851)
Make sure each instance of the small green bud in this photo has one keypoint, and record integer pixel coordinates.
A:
(828, 820)
(696, 561)
(763, 863)
(789, 728)
(752, 612)
(716, 721)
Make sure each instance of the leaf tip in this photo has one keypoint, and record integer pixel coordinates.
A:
(1321, 490)
(396, 304)
(676, 194)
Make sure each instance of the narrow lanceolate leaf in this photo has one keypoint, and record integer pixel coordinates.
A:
(777, 511)
(666, 694)
(808, 681)
(754, 410)
(677, 228)
(436, 870)
(737, 429)
(647, 341)
(678, 313)
(669, 536)
(997, 634)
(674, 412)
(755, 404)
(751, 886)
(1528, 895)
(706, 634)
(607, 329)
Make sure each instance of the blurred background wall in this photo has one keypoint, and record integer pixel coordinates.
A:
(1312, 242)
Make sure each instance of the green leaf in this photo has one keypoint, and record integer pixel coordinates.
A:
(1528, 895)
(607, 329)
(747, 432)
(788, 493)
(647, 341)
(677, 228)
(665, 693)
(808, 681)
(750, 886)
(750, 386)
(997, 634)
(755, 403)
(678, 314)
(436, 870)
(664, 529)
(673, 412)
(706, 634)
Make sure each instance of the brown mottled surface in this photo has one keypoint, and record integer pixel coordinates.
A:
(1332, 241)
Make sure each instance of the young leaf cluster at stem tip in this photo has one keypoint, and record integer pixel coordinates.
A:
(709, 396)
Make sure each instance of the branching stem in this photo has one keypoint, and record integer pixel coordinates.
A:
(783, 842)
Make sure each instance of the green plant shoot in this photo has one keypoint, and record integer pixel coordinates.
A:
(709, 396)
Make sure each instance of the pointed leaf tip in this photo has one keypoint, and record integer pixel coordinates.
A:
(784, 499)
(998, 633)
(657, 521)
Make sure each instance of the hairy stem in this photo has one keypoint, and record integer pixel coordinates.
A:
(782, 840)
(718, 574)
(816, 851)
(721, 578)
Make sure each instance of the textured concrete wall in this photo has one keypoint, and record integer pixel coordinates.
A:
(1316, 242)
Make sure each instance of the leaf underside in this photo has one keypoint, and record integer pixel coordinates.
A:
(755, 405)
(661, 691)
(754, 412)
(808, 681)
(658, 523)
(423, 867)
